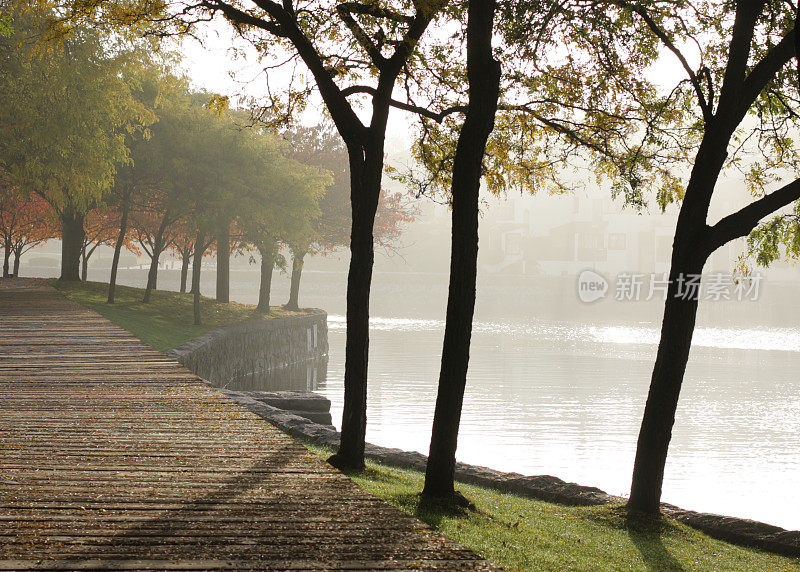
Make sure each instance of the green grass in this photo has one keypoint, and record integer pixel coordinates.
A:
(164, 323)
(525, 534)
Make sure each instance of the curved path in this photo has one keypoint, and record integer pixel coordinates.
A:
(113, 456)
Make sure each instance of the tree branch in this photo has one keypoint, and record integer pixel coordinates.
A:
(374, 10)
(346, 120)
(706, 105)
(742, 222)
(437, 116)
(764, 71)
(744, 25)
(360, 35)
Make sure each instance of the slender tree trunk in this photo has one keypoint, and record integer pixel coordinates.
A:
(690, 251)
(662, 402)
(677, 328)
(158, 246)
(185, 256)
(297, 272)
(17, 256)
(6, 257)
(72, 236)
(198, 261)
(123, 230)
(366, 189)
(267, 264)
(484, 81)
(224, 262)
(84, 264)
(365, 149)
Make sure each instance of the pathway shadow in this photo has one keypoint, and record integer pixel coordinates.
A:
(169, 535)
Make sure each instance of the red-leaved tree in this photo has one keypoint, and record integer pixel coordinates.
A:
(25, 222)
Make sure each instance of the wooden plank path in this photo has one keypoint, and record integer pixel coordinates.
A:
(113, 456)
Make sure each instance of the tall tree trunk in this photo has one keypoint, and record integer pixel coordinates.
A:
(224, 262)
(184, 270)
(483, 72)
(198, 261)
(158, 246)
(123, 230)
(84, 264)
(365, 180)
(677, 328)
(365, 149)
(72, 236)
(662, 403)
(267, 264)
(297, 272)
(17, 256)
(690, 250)
(6, 257)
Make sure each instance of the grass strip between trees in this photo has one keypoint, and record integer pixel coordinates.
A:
(526, 534)
(514, 532)
(165, 322)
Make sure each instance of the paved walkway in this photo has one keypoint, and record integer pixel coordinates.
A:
(113, 456)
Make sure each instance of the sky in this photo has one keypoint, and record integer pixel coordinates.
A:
(225, 64)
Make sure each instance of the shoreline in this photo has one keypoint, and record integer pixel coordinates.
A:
(740, 531)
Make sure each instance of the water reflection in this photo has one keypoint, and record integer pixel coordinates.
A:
(309, 375)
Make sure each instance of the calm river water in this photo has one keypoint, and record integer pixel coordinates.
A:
(558, 387)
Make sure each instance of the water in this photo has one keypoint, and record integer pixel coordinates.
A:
(558, 387)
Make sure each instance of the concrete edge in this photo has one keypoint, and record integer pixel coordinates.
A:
(740, 531)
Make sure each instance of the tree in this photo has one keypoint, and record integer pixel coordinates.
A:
(152, 86)
(279, 207)
(320, 147)
(745, 48)
(483, 72)
(223, 259)
(124, 203)
(25, 222)
(67, 155)
(100, 227)
(559, 99)
(182, 244)
(151, 232)
(184, 159)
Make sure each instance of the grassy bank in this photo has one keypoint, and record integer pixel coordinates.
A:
(514, 532)
(525, 534)
(164, 323)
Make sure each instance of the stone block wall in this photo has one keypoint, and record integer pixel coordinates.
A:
(255, 346)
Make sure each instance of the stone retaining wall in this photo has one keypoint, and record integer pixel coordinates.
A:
(255, 346)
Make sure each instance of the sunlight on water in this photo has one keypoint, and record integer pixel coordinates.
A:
(779, 339)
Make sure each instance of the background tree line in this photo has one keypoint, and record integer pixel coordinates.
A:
(127, 155)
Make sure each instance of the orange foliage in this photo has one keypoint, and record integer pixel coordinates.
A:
(25, 221)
